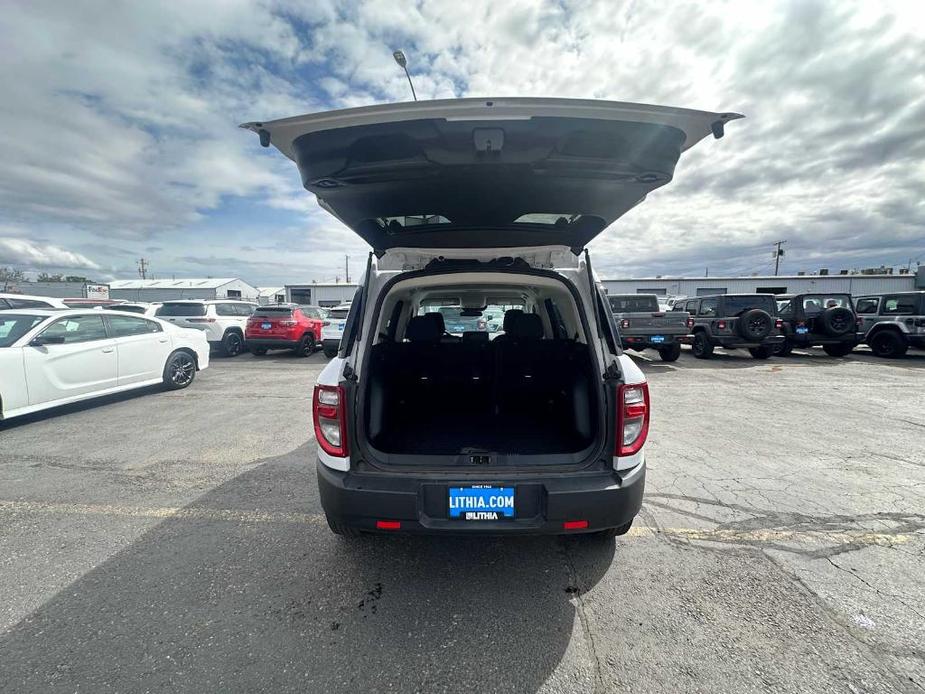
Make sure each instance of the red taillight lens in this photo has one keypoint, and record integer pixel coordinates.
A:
(690, 323)
(288, 323)
(859, 322)
(632, 417)
(625, 323)
(778, 324)
(721, 324)
(329, 416)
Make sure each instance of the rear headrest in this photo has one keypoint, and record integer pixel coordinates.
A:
(526, 326)
(475, 337)
(509, 316)
(426, 328)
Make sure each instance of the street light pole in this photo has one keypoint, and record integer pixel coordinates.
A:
(403, 62)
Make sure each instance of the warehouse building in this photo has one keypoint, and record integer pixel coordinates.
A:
(271, 295)
(168, 290)
(60, 290)
(856, 285)
(320, 294)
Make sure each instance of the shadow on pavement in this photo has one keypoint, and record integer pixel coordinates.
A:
(198, 604)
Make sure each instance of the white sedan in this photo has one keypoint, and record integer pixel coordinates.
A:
(55, 357)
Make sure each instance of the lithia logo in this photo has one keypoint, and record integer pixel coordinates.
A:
(481, 515)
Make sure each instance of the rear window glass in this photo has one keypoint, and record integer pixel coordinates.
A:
(273, 311)
(182, 310)
(633, 304)
(739, 304)
(128, 309)
(815, 303)
(338, 313)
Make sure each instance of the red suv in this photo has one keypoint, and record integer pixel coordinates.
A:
(284, 326)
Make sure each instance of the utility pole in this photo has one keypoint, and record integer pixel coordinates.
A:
(347, 267)
(778, 252)
(143, 268)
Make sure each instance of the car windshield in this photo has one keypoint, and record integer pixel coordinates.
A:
(815, 303)
(177, 310)
(739, 304)
(14, 326)
(633, 304)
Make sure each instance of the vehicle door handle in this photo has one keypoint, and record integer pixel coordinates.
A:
(108, 350)
(163, 339)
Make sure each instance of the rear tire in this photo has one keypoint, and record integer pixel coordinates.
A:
(330, 353)
(701, 347)
(343, 530)
(760, 352)
(888, 344)
(232, 344)
(783, 349)
(838, 350)
(306, 346)
(613, 532)
(179, 370)
(258, 351)
(670, 353)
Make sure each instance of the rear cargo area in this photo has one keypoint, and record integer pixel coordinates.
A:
(520, 393)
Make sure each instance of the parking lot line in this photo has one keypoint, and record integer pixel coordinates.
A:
(238, 516)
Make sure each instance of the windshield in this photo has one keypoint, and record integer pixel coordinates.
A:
(14, 326)
(816, 303)
(182, 310)
(638, 303)
(739, 304)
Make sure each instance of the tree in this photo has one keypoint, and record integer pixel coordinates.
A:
(45, 277)
(11, 275)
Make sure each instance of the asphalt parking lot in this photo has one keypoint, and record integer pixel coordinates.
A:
(174, 542)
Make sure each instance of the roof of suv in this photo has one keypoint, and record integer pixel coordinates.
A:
(210, 301)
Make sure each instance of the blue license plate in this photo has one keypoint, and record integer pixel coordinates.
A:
(481, 502)
(802, 331)
(340, 326)
(658, 338)
(266, 326)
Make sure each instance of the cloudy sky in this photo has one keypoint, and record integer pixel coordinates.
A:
(119, 125)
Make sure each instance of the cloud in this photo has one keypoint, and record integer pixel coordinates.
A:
(27, 255)
(119, 122)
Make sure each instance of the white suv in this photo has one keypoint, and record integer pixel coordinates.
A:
(333, 329)
(223, 320)
(478, 204)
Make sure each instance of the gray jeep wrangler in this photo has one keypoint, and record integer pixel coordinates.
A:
(735, 320)
(892, 323)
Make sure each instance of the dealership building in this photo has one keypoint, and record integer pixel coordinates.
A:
(320, 294)
(169, 290)
(855, 285)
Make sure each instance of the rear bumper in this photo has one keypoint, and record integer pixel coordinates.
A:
(809, 340)
(645, 341)
(739, 342)
(917, 341)
(542, 503)
(270, 343)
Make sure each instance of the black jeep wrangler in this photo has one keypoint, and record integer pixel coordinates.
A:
(732, 321)
(809, 320)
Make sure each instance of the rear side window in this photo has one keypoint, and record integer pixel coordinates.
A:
(868, 305)
(77, 329)
(736, 305)
(126, 326)
(182, 310)
(784, 306)
(708, 307)
(633, 304)
(900, 305)
(691, 307)
(226, 310)
(244, 309)
(338, 313)
(28, 303)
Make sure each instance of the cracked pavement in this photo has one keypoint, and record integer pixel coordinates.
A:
(175, 542)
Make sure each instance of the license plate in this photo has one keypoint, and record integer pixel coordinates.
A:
(658, 338)
(802, 331)
(481, 502)
(266, 326)
(340, 326)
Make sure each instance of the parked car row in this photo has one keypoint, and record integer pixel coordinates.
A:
(768, 325)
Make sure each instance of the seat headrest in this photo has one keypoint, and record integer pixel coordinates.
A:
(475, 337)
(426, 328)
(509, 316)
(526, 326)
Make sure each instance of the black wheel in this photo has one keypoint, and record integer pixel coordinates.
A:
(888, 344)
(179, 371)
(838, 320)
(671, 352)
(232, 344)
(762, 352)
(838, 350)
(701, 347)
(306, 346)
(330, 353)
(614, 532)
(258, 351)
(783, 349)
(340, 529)
(754, 325)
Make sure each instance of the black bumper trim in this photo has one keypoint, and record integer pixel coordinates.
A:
(605, 499)
(270, 343)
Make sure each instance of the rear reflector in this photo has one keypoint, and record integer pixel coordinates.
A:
(575, 525)
(388, 525)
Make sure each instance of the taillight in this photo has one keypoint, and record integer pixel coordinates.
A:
(690, 323)
(859, 322)
(632, 417)
(625, 323)
(778, 324)
(721, 324)
(328, 414)
(288, 323)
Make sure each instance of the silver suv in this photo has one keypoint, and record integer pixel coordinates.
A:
(892, 323)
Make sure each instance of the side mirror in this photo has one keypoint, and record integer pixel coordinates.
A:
(40, 341)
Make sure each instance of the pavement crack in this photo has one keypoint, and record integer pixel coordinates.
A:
(575, 590)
